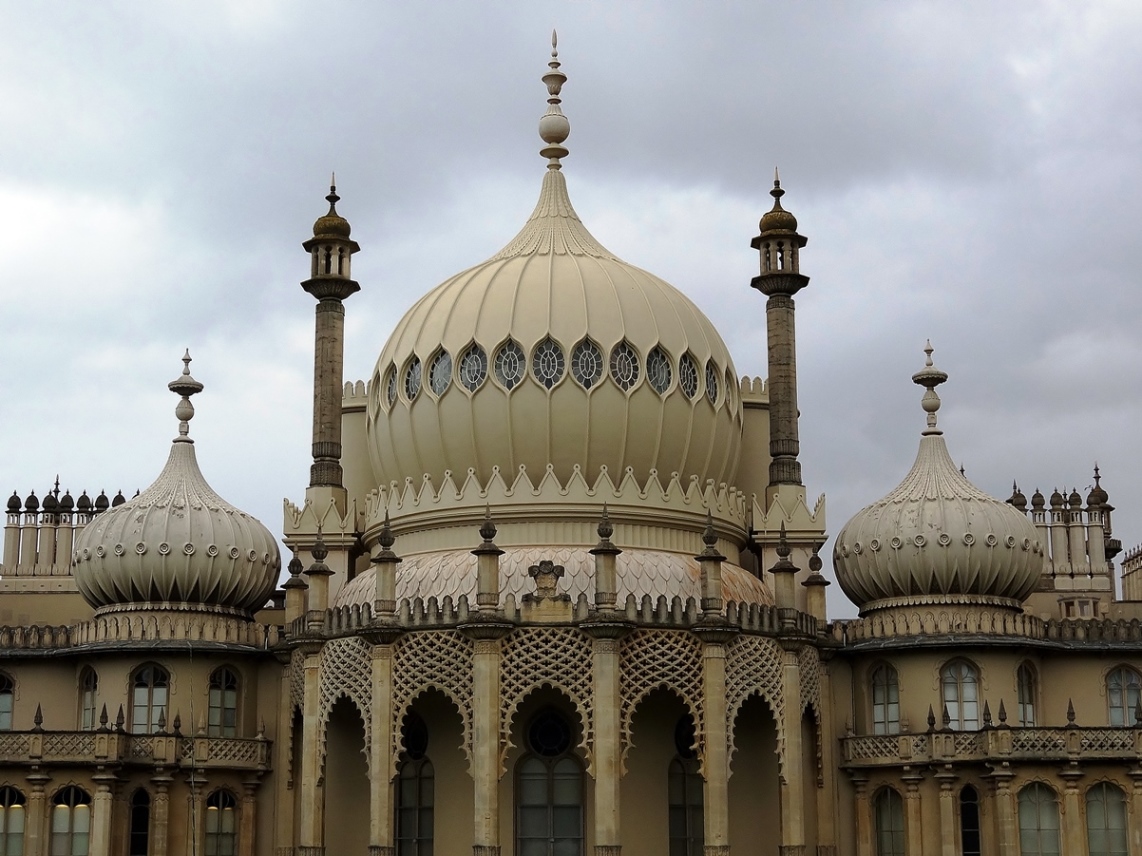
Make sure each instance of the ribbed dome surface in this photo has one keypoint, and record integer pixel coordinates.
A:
(663, 394)
(641, 572)
(177, 543)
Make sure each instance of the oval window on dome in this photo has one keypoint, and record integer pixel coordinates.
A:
(658, 370)
(412, 378)
(587, 363)
(473, 367)
(547, 363)
(391, 386)
(440, 373)
(712, 382)
(509, 364)
(624, 366)
(688, 375)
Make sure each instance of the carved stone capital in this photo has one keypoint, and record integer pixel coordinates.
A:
(608, 850)
(381, 850)
(789, 850)
(485, 850)
(490, 629)
(603, 628)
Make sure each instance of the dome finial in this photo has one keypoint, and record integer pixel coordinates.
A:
(332, 198)
(553, 125)
(186, 386)
(930, 377)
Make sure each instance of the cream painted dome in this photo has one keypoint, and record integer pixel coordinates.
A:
(640, 572)
(178, 544)
(554, 351)
(936, 537)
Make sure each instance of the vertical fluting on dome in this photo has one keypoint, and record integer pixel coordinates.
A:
(779, 246)
(331, 252)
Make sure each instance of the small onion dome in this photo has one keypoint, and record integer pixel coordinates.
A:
(84, 502)
(32, 503)
(937, 538)
(1037, 500)
(1056, 500)
(66, 503)
(1017, 500)
(1097, 495)
(118, 500)
(177, 544)
(777, 219)
(332, 224)
(102, 503)
(1074, 500)
(14, 503)
(51, 504)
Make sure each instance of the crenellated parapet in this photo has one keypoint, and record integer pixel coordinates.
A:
(754, 391)
(39, 536)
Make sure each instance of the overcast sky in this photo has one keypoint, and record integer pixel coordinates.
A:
(969, 172)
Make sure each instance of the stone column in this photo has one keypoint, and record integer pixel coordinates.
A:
(716, 761)
(913, 813)
(949, 837)
(196, 829)
(487, 635)
(608, 749)
(381, 769)
(1004, 812)
(312, 832)
(1134, 822)
(792, 784)
(36, 822)
(1071, 824)
(284, 749)
(863, 811)
(248, 818)
(827, 797)
(100, 844)
(160, 813)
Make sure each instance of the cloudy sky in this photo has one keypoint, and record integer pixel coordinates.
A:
(969, 172)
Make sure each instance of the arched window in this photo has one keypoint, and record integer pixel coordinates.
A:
(222, 717)
(221, 824)
(959, 681)
(11, 822)
(416, 786)
(549, 791)
(885, 700)
(71, 822)
(888, 810)
(88, 687)
(149, 687)
(1025, 678)
(1106, 821)
(1038, 821)
(7, 696)
(687, 820)
(139, 827)
(1122, 695)
(970, 843)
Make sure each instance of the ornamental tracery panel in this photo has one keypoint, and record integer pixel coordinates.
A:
(754, 666)
(809, 666)
(558, 657)
(296, 681)
(656, 659)
(345, 669)
(426, 660)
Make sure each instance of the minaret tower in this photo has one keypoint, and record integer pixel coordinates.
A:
(780, 279)
(331, 251)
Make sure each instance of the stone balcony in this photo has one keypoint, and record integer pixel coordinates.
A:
(117, 748)
(997, 745)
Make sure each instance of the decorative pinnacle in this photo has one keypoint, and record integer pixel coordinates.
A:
(930, 377)
(1070, 712)
(186, 386)
(783, 550)
(606, 529)
(553, 125)
(488, 528)
(777, 192)
(332, 198)
(387, 539)
(709, 536)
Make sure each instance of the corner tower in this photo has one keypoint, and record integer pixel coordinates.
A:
(331, 251)
(779, 246)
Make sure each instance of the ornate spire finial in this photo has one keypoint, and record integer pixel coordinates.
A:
(606, 528)
(488, 527)
(777, 192)
(553, 125)
(332, 198)
(930, 377)
(186, 386)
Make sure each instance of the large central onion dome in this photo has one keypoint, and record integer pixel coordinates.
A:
(937, 538)
(554, 352)
(178, 544)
